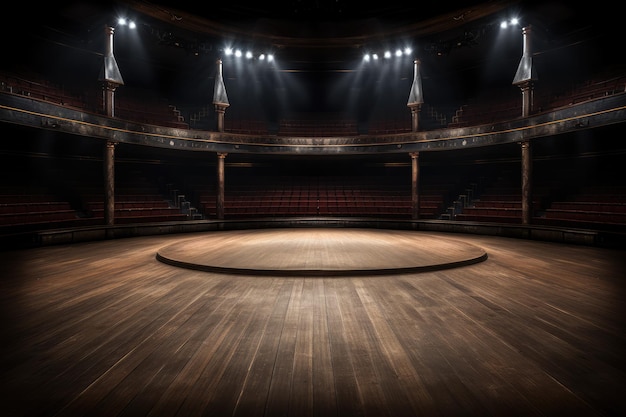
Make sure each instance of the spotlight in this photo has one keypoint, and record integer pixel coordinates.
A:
(512, 22)
(270, 58)
(249, 55)
(375, 57)
(408, 51)
(262, 57)
(122, 21)
(398, 52)
(366, 57)
(228, 51)
(387, 54)
(238, 53)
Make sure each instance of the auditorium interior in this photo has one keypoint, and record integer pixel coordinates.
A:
(313, 207)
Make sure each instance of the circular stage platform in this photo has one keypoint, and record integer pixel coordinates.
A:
(321, 252)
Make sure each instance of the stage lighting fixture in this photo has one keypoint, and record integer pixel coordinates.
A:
(512, 22)
(122, 21)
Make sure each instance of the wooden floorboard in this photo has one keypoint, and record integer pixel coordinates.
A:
(105, 329)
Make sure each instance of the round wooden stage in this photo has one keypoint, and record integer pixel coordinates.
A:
(326, 251)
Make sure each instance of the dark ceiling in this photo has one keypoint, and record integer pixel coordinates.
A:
(177, 42)
(295, 27)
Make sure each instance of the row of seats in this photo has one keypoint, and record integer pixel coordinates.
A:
(506, 104)
(500, 203)
(32, 204)
(144, 107)
(277, 196)
(318, 126)
(390, 127)
(594, 207)
(128, 208)
(492, 108)
(597, 206)
(33, 85)
(75, 201)
(140, 105)
(134, 104)
(138, 199)
(245, 126)
(600, 86)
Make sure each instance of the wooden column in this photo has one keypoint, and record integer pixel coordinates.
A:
(525, 78)
(220, 110)
(109, 183)
(527, 89)
(415, 198)
(108, 97)
(220, 185)
(415, 117)
(528, 92)
(220, 98)
(527, 197)
(110, 76)
(415, 97)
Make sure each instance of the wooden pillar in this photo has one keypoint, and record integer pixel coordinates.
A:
(220, 98)
(108, 92)
(109, 183)
(525, 78)
(220, 185)
(415, 97)
(220, 110)
(528, 92)
(415, 117)
(415, 198)
(527, 197)
(110, 76)
(527, 89)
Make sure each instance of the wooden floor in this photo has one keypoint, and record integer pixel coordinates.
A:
(105, 329)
